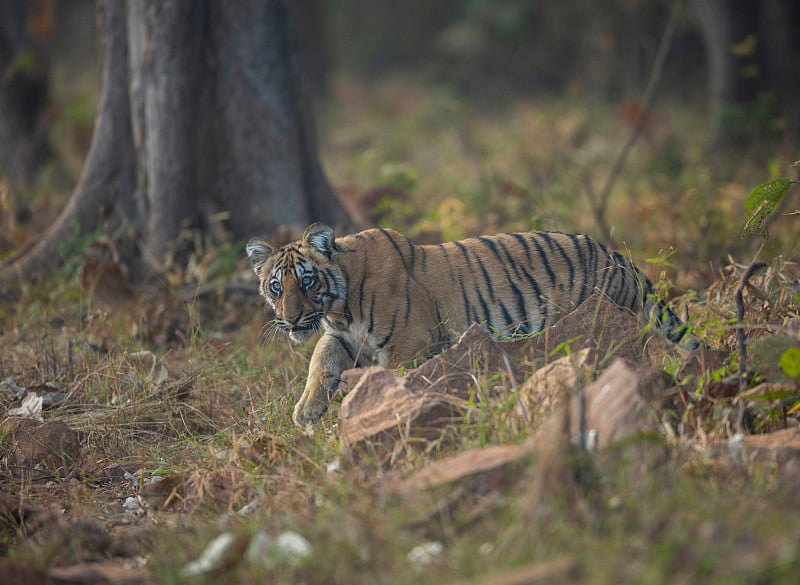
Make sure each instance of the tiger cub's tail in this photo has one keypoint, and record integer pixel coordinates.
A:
(670, 325)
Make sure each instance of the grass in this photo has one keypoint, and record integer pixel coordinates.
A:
(216, 418)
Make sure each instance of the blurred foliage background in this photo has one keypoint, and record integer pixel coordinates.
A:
(446, 118)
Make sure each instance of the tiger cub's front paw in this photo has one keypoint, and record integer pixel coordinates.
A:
(309, 411)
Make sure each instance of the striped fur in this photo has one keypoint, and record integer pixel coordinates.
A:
(381, 299)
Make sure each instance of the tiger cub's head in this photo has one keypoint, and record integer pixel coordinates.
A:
(300, 280)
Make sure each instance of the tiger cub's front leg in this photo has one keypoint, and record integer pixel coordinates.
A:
(329, 359)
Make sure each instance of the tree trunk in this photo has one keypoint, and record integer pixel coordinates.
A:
(23, 97)
(203, 115)
(737, 75)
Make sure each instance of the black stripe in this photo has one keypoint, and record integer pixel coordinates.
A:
(521, 239)
(541, 305)
(570, 268)
(491, 245)
(604, 253)
(583, 267)
(346, 286)
(394, 244)
(610, 276)
(371, 324)
(361, 298)
(408, 298)
(424, 254)
(545, 262)
(623, 294)
(647, 292)
(487, 315)
(465, 299)
(592, 268)
(389, 335)
(439, 325)
(487, 279)
(482, 301)
(521, 306)
(347, 349)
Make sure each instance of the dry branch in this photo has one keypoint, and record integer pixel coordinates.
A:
(600, 204)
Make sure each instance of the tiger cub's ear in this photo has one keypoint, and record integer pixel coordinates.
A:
(258, 251)
(320, 237)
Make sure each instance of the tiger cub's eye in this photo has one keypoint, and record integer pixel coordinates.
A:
(308, 281)
(275, 287)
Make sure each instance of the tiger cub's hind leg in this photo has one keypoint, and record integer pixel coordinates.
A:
(329, 359)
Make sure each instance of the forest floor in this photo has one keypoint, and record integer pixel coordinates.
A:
(146, 433)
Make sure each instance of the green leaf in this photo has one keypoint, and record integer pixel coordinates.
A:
(761, 203)
(790, 362)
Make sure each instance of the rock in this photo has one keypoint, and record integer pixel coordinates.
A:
(564, 569)
(383, 408)
(550, 384)
(792, 326)
(487, 465)
(454, 370)
(101, 572)
(780, 447)
(223, 552)
(349, 378)
(472, 477)
(17, 574)
(597, 324)
(51, 445)
(615, 407)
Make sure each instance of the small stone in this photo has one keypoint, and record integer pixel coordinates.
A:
(424, 554)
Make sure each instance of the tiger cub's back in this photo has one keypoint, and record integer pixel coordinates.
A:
(519, 283)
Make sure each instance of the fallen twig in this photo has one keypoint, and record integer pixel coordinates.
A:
(600, 204)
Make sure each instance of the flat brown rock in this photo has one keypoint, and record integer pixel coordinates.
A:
(559, 569)
(14, 574)
(780, 447)
(485, 463)
(454, 370)
(614, 407)
(608, 330)
(382, 409)
(103, 572)
(550, 385)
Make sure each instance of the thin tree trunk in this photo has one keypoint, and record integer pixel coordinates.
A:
(23, 97)
(107, 183)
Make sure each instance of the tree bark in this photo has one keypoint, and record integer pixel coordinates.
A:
(203, 114)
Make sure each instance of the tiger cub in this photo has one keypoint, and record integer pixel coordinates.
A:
(382, 300)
